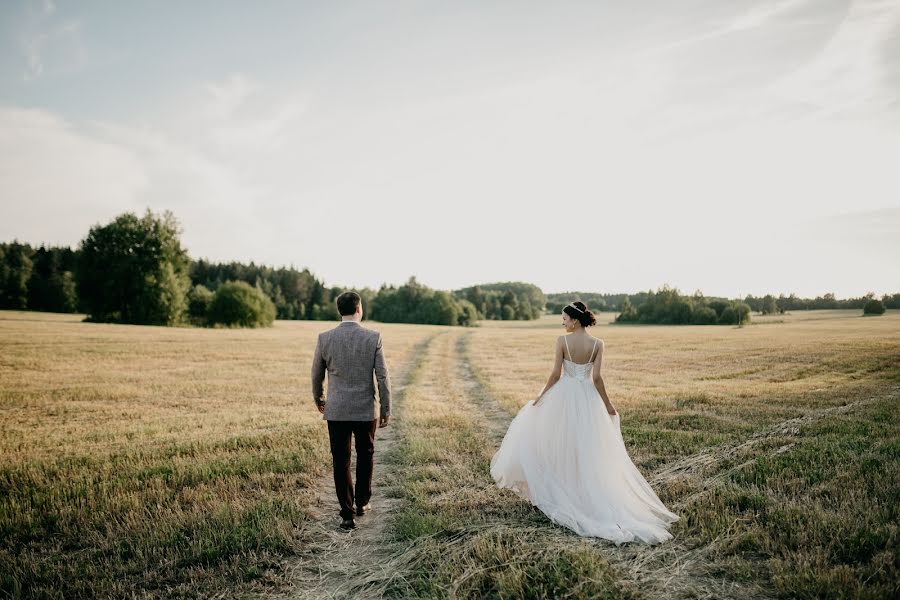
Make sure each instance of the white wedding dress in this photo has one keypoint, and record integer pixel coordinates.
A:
(567, 457)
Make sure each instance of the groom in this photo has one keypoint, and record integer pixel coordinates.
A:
(350, 353)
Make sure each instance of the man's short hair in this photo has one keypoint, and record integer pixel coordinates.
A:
(347, 303)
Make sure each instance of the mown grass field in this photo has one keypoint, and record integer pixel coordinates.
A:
(171, 461)
(178, 462)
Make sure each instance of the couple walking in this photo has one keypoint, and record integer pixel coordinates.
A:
(563, 452)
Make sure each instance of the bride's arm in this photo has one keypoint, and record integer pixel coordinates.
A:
(598, 380)
(556, 372)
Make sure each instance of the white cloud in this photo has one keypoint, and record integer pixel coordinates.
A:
(228, 96)
(849, 77)
(60, 179)
(54, 50)
(51, 46)
(760, 14)
(243, 117)
(215, 205)
(57, 181)
(756, 17)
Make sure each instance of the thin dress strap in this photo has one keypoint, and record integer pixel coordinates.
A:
(592, 352)
(566, 340)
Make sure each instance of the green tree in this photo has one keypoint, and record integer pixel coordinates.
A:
(891, 301)
(728, 316)
(134, 270)
(239, 304)
(15, 271)
(743, 313)
(705, 316)
(628, 313)
(52, 283)
(199, 300)
(736, 313)
(874, 307)
(524, 300)
(417, 303)
(468, 316)
(666, 306)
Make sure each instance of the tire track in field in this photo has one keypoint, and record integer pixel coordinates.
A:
(447, 388)
(491, 416)
(677, 569)
(713, 459)
(333, 558)
(377, 571)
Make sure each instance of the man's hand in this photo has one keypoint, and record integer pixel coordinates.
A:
(383, 421)
(321, 408)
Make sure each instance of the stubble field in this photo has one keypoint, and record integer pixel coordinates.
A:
(185, 462)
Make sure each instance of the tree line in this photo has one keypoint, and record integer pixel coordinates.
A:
(295, 294)
(505, 301)
(597, 302)
(134, 270)
(40, 278)
(770, 304)
(667, 306)
(417, 303)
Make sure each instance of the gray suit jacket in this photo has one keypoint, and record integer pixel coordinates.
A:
(350, 354)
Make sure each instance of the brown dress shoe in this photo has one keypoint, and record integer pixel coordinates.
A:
(348, 523)
(361, 510)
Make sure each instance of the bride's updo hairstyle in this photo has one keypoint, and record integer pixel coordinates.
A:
(579, 311)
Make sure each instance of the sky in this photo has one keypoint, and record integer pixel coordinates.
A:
(740, 147)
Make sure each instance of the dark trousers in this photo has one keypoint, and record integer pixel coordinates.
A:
(339, 433)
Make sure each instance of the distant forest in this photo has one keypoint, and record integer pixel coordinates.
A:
(134, 270)
(767, 304)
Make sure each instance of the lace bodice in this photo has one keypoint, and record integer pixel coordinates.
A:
(579, 371)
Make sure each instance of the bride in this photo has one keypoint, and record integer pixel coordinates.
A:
(565, 454)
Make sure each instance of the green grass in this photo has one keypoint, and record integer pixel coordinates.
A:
(824, 515)
(88, 525)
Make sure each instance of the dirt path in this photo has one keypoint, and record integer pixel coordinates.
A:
(336, 563)
(491, 416)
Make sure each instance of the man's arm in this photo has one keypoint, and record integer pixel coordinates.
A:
(384, 380)
(318, 376)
